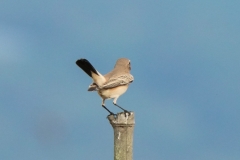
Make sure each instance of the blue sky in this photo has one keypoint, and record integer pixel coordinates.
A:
(185, 61)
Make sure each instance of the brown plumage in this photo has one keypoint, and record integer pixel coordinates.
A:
(113, 84)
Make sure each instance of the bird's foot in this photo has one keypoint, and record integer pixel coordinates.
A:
(127, 113)
(111, 113)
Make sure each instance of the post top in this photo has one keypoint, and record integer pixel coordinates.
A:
(122, 119)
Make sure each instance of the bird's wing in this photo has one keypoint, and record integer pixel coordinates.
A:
(118, 81)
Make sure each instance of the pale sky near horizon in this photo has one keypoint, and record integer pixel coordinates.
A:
(185, 58)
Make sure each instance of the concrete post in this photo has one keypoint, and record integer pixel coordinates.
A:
(123, 125)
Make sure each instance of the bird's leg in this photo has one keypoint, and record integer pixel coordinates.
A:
(125, 111)
(111, 113)
(103, 105)
(115, 103)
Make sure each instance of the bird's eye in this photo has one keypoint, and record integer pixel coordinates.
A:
(129, 65)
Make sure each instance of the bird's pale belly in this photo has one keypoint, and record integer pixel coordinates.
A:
(112, 92)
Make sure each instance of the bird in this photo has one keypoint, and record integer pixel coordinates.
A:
(111, 85)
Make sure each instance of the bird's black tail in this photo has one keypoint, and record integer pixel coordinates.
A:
(86, 66)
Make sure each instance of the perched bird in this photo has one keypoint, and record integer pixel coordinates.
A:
(113, 84)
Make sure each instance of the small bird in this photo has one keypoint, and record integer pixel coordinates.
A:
(113, 84)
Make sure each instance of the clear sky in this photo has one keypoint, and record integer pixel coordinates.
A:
(185, 58)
